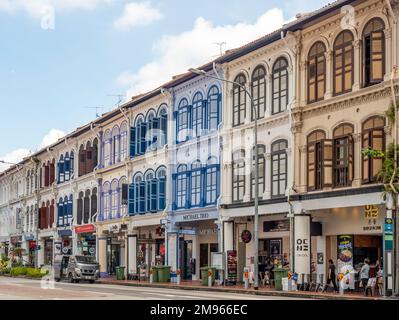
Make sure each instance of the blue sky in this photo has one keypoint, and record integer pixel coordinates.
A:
(48, 78)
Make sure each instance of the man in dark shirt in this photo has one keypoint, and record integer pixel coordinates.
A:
(332, 277)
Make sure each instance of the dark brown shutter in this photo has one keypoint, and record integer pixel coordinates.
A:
(327, 164)
(366, 159)
(82, 163)
(51, 215)
(89, 160)
(350, 160)
(40, 218)
(311, 167)
(377, 142)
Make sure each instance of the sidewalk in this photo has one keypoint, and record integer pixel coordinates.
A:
(196, 285)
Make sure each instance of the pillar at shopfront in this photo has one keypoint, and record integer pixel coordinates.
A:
(172, 250)
(102, 256)
(40, 254)
(132, 254)
(302, 245)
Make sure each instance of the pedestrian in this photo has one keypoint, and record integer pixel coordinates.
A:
(332, 276)
(364, 273)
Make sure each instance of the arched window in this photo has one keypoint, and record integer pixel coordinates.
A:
(80, 207)
(95, 153)
(343, 63)
(238, 175)
(213, 108)
(106, 200)
(152, 130)
(67, 167)
(161, 176)
(89, 158)
(181, 186)
(316, 72)
(86, 207)
(198, 114)
(61, 170)
(280, 86)
(343, 155)
(374, 52)
(196, 183)
(115, 145)
(373, 137)
(261, 171)
(123, 142)
(239, 100)
(183, 121)
(107, 148)
(319, 161)
(259, 92)
(279, 167)
(93, 206)
(163, 116)
(212, 181)
(123, 187)
(114, 199)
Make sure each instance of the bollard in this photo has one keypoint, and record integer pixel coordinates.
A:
(246, 278)
(210, 278)
(178, 276)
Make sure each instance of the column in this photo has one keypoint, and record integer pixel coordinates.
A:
(196, 255)
(329, 73)
(248, 107)
(303, 83)
(357, 67)
(303, 170)
(102, 256)
(172, 250)
(388, 54)
(321, 268)
(40, 253)
(268, 167)
(132, 254)
(358, 159)
(302, 245)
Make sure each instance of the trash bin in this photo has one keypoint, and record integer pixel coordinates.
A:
(164, 274)
(155, 274)
(279, 274)
(120, 273)
(204, 275)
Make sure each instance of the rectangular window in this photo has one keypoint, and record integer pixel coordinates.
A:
(211, 185)
(181, 190)
(162, 193)
(125, 189)
(196, 188)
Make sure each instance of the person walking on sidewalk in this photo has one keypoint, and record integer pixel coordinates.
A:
(332, 276)
(364, 273)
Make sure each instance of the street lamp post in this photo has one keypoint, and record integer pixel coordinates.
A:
(256, 219)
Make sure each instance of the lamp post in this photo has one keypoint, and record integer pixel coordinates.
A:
(256, 220)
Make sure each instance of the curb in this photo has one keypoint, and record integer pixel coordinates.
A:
(240, 291)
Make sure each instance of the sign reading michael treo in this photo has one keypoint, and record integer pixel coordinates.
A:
(302, 244)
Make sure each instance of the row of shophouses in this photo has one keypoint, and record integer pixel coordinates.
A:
(168, 177)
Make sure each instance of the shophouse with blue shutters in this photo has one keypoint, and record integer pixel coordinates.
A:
(194, 158)
(148, 182)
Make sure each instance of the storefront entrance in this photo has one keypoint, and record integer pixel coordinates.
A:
(48, 251)
(113, 257)
(186, 258)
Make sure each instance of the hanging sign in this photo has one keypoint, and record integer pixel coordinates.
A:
(246, 236)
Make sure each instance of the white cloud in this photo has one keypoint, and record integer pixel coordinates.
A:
(13, 157)
(19, 154)
(53, 136)
(174, 54)
(137, 14)
(35, 8)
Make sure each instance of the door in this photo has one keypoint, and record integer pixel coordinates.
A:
(113, 257)
(241, 259)
(187, 254)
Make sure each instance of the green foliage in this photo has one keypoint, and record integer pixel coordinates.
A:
(18, 271)
(29, 272)
(34, 273)
(372, 153)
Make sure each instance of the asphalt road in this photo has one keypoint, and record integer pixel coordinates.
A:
(24, 289)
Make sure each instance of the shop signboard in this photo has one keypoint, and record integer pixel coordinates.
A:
(232, 266)
(276, 226)
(89, 228)
(388, 234)
(371, 217)
(246, 236)
(345, 251)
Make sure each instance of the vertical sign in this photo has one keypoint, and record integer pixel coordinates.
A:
(302, 244)
(232, 266)
(388, 234)
(345, 251)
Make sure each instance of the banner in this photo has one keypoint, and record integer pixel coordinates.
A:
(345, 251)
(302, 244)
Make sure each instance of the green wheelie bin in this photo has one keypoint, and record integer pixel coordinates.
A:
(279, 274)
(205, 276)
(120, 273)
(155, 274)
(164, 274)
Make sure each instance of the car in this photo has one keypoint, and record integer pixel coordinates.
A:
(76, 268)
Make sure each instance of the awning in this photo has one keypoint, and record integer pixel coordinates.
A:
(65, 233)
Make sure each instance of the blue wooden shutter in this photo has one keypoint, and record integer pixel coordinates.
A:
(154, 195)
(161, 194)
(143, 142)
(142, 188)
(132, 210)
(155, 133)
(133, 146)
(136, 198)
(59, 214)
(164, 129)
(70, 211)
(148, 196)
